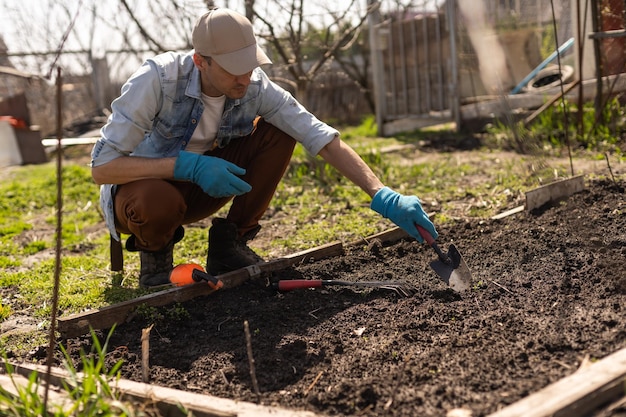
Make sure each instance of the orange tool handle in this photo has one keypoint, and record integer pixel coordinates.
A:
(294, 284)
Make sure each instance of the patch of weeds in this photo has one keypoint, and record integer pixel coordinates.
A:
(12, 226)
(367, 129)
(90, 391)
(32, 193)
(8, 279)
(150, 314)
(26, 401)
(177, 313)
(20, 344)
(164, 314)
(78, 284)
(8, 262)
(5, 311)
(34, 247)
(479, 211)
(559, 125)
(193, 248)
(479, 285)
(441, 218)
(122, 288)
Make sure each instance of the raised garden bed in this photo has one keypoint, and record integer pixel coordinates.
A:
(548, 294)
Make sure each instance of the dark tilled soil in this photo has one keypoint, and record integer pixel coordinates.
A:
(549, 291)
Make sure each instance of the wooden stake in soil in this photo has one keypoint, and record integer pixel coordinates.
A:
(255, 384)
(145, 354)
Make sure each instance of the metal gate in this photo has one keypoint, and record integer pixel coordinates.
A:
(413, 73)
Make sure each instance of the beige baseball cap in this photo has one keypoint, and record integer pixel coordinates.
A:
(227, 37)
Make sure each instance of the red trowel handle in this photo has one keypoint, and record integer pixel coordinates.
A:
(428, 238)
(294, 284)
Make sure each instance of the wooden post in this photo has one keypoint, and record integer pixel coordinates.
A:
(101, 82)
(454, 64)
(378, 82)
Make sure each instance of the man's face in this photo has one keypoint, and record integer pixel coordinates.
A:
(216, 81)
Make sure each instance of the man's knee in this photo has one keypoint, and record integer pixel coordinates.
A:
(151, 210)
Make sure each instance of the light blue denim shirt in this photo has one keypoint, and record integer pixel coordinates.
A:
(160, 107)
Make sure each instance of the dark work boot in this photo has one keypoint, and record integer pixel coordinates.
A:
(156, 265)
(227, 250)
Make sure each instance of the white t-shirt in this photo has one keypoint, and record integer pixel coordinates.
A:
(203, 138)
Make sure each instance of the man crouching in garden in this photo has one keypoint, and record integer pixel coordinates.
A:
(192, 131)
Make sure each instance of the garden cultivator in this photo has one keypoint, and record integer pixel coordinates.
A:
(401, 288)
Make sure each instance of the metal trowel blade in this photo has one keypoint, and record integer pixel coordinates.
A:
(456, 273)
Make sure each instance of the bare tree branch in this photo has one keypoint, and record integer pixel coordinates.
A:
(143, 31)
(292, 40)
(346, 37)
(273, 39)
(63, 39)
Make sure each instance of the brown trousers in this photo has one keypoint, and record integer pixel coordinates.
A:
(152, 209)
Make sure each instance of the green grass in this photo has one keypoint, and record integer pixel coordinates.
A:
(312, 206)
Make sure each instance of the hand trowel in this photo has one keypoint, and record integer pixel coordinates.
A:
(450, 267)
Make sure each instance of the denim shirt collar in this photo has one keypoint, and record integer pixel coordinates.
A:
(194, 87)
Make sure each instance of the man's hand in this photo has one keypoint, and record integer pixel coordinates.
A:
(217, 177)
(404, 211)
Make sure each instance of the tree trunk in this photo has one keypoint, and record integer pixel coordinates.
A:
(302, 91)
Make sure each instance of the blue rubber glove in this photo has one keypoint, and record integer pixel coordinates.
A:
(404, 211)
(216, 176)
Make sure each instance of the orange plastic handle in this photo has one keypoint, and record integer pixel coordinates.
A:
(183, 274)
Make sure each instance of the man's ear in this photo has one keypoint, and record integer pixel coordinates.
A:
(198, 60)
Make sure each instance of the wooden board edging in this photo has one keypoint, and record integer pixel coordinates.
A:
(576, 395)
(508, 213)
(168, 400)
(105, 317)
(387, 236)
(15, 383)
(554, 191)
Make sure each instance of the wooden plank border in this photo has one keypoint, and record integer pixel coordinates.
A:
(554, 191)
(387, 236)
(508, 213)
(168, 400)
(576, 395)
